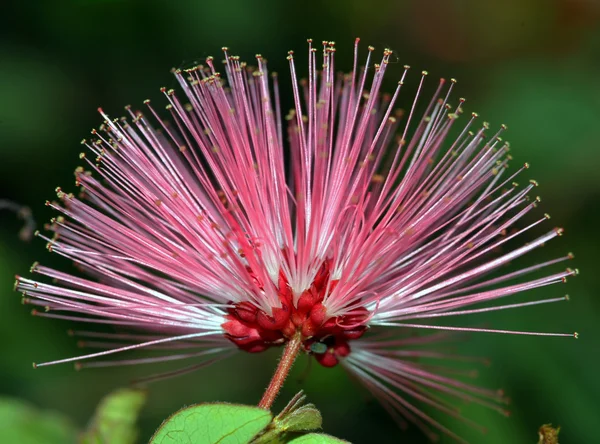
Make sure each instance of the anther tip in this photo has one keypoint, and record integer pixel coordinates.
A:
(34, 365)
(576, 335)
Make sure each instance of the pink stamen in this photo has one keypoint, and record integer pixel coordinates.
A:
(211, 229)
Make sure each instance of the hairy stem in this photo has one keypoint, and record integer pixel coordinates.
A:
(285, 364)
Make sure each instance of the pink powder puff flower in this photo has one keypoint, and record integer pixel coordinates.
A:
(209, 232)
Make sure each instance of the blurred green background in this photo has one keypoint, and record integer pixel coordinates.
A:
(532, 64)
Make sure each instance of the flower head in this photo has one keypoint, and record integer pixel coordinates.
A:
(231, 226)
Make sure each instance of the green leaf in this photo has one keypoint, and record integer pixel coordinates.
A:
(317, 438)
(24, 424)
(115, 417)
(213, 423)
(294, 418)
(302, 419)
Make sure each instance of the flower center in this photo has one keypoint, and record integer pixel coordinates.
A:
(326, 337)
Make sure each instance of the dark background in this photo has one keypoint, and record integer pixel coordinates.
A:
(534, 65)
